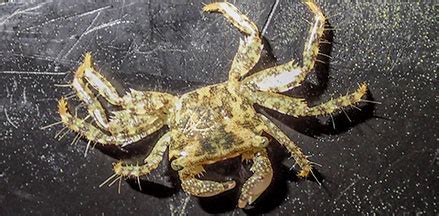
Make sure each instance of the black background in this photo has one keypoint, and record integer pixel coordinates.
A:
(384, 161)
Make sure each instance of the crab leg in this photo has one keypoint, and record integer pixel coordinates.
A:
(202, 188)
(89, 131)
(283, 139)
(311, 50)
(298, 107)
(125, 129)
(259, 181)
(289, 75)
(145, 112)
(136, 101)
(124, 122)
(150, 163)
(84, 93)
(250, 48)
(95, 79)
(148, 102)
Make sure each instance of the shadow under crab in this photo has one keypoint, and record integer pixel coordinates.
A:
(210, 124)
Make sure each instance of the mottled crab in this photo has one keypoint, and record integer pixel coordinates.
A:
(212, 123)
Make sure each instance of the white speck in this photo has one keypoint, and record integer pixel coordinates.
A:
(183, 153)
(178, 105)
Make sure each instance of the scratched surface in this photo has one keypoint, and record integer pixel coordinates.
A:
(384, 161)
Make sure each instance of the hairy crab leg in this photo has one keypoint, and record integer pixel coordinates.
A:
(259, 181)
(298, 107)
(136, 102)
(94, 107)
(279, 78)
(202, 188)
(89, 131)
(148, 102)
(124, 122)
(150, 163)
(311, 50)
(283, 139)
(97, 81)
(145, 112)
(128, 129)
(289, 75)
(249, 50)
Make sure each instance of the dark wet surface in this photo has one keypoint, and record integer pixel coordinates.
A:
(385, 160)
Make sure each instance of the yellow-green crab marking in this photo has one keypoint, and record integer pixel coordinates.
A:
(212, 123)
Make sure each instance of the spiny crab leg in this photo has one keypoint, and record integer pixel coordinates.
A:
(128, 124)
(97, 81)
(84, 93)
(283, 139)
(132, 130)
(86, 129)
(298, 107)
(250, 48)
(311, 50)
(143, 114)
(289, 75)
(150, 163)
(136, 102)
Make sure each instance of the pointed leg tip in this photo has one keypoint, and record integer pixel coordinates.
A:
(88, 59)
(117, 167)
(303, 173)
(62, 102)
(312, 5)
(363, 85)
(62, 107)
(362, 89)
(212, 7)
(87, 55)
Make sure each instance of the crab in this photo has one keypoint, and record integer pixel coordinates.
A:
(212, 123)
